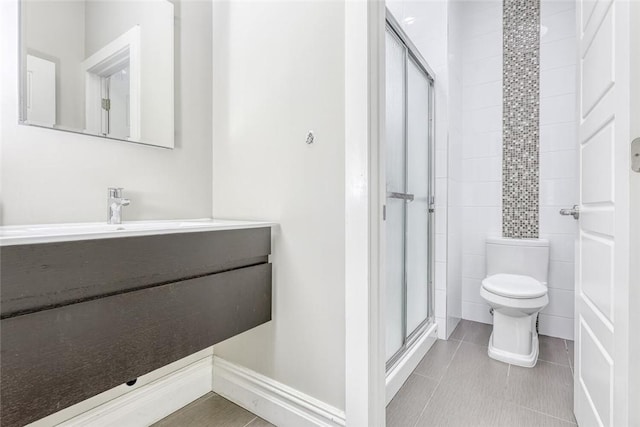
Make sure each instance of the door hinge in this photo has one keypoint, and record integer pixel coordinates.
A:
(432, 204)
(384, 212)
(106, 104)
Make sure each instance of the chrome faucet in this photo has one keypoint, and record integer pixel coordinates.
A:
(115, 202)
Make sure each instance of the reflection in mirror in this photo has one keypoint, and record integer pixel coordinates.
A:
(117, 122)
(100, 67)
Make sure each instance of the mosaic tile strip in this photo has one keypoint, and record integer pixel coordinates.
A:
(520, 118)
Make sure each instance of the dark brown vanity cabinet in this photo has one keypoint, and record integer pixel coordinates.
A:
(79, 318)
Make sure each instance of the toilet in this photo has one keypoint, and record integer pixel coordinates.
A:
(516, 290)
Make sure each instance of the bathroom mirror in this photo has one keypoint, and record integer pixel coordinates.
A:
(99, 67)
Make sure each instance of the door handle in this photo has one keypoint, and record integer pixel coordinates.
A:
(402, 196)
(574, 212)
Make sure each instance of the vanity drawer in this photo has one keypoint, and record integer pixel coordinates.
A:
(46, 275)
(55, 358)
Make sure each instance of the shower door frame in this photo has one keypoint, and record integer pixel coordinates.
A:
(411, 53)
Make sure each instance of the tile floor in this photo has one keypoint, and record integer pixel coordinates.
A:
(212, 410)
(458, 385)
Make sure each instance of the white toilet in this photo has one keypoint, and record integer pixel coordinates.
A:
(516, 290)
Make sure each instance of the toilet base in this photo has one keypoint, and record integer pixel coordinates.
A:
(526, 361)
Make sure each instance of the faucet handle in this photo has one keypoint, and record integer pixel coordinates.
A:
(115, 192)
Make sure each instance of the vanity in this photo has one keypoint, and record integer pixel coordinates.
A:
(85, 308)
(88, 307)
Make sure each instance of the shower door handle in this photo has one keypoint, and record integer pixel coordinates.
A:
(402, 196)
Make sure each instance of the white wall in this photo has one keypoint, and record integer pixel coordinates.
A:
(482, 153)
(51, 176)
(275, 78)
(65, 20)
(426, 25)
(454, 169)
(559, 168)
(481, 189)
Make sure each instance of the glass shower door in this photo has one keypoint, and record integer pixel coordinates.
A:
(418, 210)
(395, 208)
(408, 168)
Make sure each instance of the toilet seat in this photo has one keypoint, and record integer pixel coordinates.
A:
(526, 305)
(514, 286)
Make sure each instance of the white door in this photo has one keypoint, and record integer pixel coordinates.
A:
(41, 91)
(602, 339)
(118, 95)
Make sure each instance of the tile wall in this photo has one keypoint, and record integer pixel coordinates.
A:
(481, 182)
(481, 186)
(520, 118)
(454, 169)
(559, 168)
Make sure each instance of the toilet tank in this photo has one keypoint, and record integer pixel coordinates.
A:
(527, 257)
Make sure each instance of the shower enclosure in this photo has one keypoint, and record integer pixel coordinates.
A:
(409, 209)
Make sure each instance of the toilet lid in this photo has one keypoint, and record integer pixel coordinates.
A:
(514, 286)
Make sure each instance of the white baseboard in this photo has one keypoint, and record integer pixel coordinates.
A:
(275, 402)
(151, 402)
(408, 363)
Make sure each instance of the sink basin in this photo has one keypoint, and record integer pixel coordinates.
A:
(47, 233)
(101, 228)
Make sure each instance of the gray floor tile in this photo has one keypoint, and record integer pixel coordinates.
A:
(546, 388)
(459, 331)
(477, 333)
(406, 407)
(472, 371)
(475, 390)
(210, 410)
(450, 408)
(553, 350)
(434, 364)
(259, 422)
(514, 415)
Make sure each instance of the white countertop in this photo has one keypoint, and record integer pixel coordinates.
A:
(49, 233)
